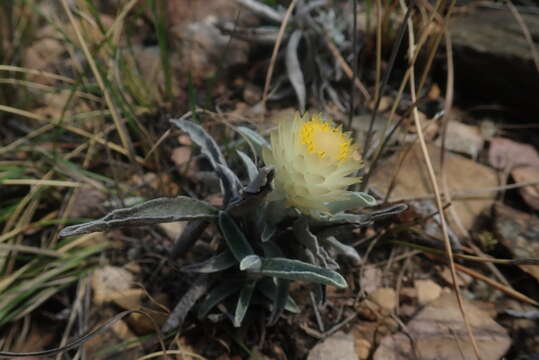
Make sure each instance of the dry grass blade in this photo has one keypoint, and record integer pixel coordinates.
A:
(120, 127)
(525, 31)
(82, 339)
(120, 18)
(172, 352)
(346, 68)
(30, 250)
(276, 47)
(497, 285)
(34, 182)
(36, 72)
(434, 184)
(73, 129)
(38, 86)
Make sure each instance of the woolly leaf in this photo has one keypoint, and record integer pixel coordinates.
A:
(217, 295)
(234, 237)
(357, 200)
(154, 211)
(298, 270)
(244, 300)
(223, 261)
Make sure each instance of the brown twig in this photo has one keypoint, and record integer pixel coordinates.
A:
(276, 47)
(432, 179)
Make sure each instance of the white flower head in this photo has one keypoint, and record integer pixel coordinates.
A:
(313, 161)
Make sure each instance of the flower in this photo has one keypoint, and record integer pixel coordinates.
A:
(313, 160)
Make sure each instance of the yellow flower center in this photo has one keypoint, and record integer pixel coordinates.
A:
(324, 140)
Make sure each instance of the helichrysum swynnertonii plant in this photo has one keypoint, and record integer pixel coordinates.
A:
(310, 163)
(313, 161)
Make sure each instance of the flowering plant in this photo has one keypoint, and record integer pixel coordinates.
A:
(313, 160)
(300, 194)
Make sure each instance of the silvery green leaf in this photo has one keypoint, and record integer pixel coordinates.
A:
(262, 181)
(293, 68)
(328, 261)
(252, 170)
(342, 218)
(357, 200)
(197, 290)
(229, 181)
(207, 145)
(280, 300)
(261, 34)
(154, 211)
(230, 184)
(308, 239)
(388, 211)
(268, 231)
(262, 9)
(244, 300)
(223, 261)
(217, 295)
(272, 214)
(268, 288)
(343, 249)
(254, 138)
(251, 262)
(234, 237)
(252, 199)
(298, 270)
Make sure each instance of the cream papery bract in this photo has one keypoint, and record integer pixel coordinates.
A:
(313, 161)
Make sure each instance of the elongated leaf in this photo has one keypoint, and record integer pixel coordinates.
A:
(306, 237)
(229, 181)
(298, 270)
(357, 200)
(273, 213)
(293, 68)
(230, 184)
(207, 145)
(252, 170)
(343, 249)
(234, 237)
(223, 261)
(244, 300)
(154, 211)
(280, 300)
(342, 218)
(268, 288)
(254, 138)
(217, 295)
(388, 211)
(251, 262)
(198, 289)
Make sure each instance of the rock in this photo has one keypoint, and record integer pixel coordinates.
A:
(518, 232)
(385, 298)
(440, 333)
(363, 348)
(462, 175)
(88, 202)
(128, 299)
(109, 282)
(462, 278)
(371, 279)
(530, 194)
(339, 346)
(174, 229)
(487, 42)
(507, 154)
(427, 291)
(463, 138)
